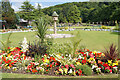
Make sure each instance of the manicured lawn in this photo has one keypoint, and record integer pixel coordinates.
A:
(94, 40)
(15, 75)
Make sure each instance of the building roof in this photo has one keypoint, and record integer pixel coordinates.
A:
(55, 14)
(22, 20)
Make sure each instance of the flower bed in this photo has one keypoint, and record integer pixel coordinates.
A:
(85, 62)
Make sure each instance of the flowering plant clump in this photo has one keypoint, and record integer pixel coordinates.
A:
(57, 63)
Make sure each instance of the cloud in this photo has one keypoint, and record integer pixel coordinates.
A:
(42, 6)
(16, 5)
(49, 0)
(36, 5)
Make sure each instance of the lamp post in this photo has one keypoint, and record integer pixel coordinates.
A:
(55, 18)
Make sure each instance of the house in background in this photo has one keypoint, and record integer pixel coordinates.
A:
(2, 23)
(22, 23)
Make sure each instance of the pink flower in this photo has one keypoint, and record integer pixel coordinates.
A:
(107, 68)
(67, 66)
(52, 63)
(91, 55)
(72, 66)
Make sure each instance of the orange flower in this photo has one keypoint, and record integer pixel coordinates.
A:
(46, 70)
(10, 65)
(9, 55)
(34, 71)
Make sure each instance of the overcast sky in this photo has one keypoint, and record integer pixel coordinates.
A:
(16, 4)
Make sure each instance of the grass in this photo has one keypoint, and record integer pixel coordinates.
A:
(94, 40)
(16, 75)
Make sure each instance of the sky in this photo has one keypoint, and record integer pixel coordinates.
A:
(16, 4)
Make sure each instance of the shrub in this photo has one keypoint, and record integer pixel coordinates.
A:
(36, 49)
(104, 27)
(111, 53)
(85, 69)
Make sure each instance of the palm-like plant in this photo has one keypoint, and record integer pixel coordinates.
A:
(41, 29)
(73, 45)
(111, 53)
(6, 43)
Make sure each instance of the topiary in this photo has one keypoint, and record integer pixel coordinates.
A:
(85, 69)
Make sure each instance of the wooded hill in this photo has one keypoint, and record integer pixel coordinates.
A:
(86, 12)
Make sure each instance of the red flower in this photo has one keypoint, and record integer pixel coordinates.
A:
(7, 61)
(61, 66)
(10, 65)
(42, 58)
(80, 70)
(111, 67)
(0, 62)
(79, 74)
(67, 66)
(8, 47)
(82, 52)
(46, 70)
(34, 71)
(105, 65)
(83, 61)
(79, 59)
(87, 49)
(51, 58)
(91, 52)
(47, 65)
(54, 59)
(46, 54)
(24, 57)
(51, 65)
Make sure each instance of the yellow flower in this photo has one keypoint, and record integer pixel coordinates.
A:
(115, 64)
(9, 55)
(74, 73)
(0, 51)
(46, 61)
(91, 59)
(12, 49)
(103, 54)
(6, 65)
(44, 55)
(65, 69)
(61, 71)
(23, 55)
(109, 61)
(94, 52)
(78, 63)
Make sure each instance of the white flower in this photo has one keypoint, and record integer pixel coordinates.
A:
(115, 68)
(36, 63)
(24, 45)
(94, 66)
(70, 71)
(80, 57)
(87, 53)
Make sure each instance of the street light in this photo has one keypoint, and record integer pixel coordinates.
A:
(55, 18)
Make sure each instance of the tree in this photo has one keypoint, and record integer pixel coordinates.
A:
(73, 15)
(38, 12)
(27, 11)
(8, 14)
